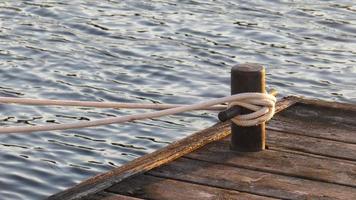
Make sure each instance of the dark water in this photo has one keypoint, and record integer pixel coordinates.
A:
(150, 51)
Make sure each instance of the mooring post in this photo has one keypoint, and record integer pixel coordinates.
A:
(247, 78)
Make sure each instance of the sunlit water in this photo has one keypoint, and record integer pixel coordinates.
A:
(150, 51)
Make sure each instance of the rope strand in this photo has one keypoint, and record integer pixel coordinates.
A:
(262, 104)
(95, 104)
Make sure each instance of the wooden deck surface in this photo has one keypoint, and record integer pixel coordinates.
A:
(311, 155)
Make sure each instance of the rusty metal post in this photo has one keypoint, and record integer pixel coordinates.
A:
(247, 78)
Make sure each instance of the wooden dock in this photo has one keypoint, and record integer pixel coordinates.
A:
(311, 154)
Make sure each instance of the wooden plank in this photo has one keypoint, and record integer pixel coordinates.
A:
(327, 115)
(144, 163)
(108, 196)
(328, 120)
(313, 129)
(284, 163)
(325, 104)
(150, 187)
(285, 103)
(312, 145)
(244, 180)
(157, 158)
(330, 116)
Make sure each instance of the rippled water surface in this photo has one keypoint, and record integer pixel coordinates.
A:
(162, 51)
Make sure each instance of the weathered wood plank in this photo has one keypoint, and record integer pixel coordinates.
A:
(285, 163)
(108, 196)
(286, 102)
(325, 104)
(328, 115)
(328, 120)
(312, 145)
(150, 187)
(145, 163)
(313, 129)
(244, 180)
(157, 158)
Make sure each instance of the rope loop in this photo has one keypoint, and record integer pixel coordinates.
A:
(262, 105)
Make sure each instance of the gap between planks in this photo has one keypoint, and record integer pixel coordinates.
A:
(313, 129)
(251, 181)
(149, 186)
(317, 146)
(109, 196)
(282, 163)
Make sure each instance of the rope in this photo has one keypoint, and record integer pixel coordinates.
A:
(95, 104)
(261, 104)
(263, 108)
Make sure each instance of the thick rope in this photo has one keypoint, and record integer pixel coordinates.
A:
(263, 108)
(95, 104)
(261, 104)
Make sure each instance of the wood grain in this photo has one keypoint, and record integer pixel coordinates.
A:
(150, 187)
(285, 163)
(314, 129)
(318, 146)
(109, 196)
(145, 163)
(251, 181)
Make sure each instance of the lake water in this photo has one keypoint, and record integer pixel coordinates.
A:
(162, 51)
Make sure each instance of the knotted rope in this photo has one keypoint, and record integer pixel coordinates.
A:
(263, 106)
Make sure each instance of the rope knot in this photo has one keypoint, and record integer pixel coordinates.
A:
(262, 105)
